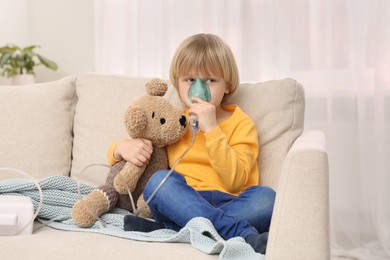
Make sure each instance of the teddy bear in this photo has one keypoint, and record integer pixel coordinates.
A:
(151, 117)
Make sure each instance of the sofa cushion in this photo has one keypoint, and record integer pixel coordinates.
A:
(36, 128)
(98, 122)
(277, 108)
(50, 243)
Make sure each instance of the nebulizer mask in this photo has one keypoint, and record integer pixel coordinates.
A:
(199, 89)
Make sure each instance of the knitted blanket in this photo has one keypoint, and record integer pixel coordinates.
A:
(60, 193)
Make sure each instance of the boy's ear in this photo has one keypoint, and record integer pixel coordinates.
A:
(135, 121)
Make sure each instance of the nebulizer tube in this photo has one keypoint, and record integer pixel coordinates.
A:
(198, 89)
(167, 176)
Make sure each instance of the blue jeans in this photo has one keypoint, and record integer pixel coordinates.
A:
(176, 203)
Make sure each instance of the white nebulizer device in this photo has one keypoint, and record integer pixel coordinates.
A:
(17, 212)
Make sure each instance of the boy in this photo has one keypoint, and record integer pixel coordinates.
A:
(218, 179)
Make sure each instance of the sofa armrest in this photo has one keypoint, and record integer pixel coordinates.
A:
(300, 221)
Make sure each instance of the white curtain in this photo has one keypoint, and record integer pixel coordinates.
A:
(338, 49)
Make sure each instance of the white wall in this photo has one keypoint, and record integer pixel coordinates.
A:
(11, 29)
(65, 30)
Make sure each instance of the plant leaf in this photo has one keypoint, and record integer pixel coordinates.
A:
(31, 47)
(29, 50)
(4, 58)
(8, 49)
(48, 63)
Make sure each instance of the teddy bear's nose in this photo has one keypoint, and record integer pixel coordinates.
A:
(183, 121)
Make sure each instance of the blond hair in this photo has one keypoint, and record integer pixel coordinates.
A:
(207, 54)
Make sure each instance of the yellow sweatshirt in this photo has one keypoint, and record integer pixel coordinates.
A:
(223, 159)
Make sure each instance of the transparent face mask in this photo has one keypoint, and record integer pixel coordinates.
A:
(199, 89)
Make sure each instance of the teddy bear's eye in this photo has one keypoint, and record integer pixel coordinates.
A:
(153, 114)
(162, 121)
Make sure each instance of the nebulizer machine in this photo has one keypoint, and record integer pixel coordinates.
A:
(200, 89)
(17, 212)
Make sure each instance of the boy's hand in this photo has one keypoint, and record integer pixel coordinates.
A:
(137, 151)
(205, 113)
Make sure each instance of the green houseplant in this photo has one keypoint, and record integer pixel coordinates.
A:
(15, 60)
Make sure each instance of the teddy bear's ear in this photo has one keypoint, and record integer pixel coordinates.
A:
(156, 87)
(135, 121)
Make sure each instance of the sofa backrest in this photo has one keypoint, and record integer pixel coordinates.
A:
(38, 137)
(36, 128)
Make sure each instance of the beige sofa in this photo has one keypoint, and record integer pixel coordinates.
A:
(60, 127)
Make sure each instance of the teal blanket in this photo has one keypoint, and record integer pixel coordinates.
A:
(60, 193)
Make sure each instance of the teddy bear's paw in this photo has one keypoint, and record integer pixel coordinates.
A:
(123, 187)
(127, 179)
(86, 211)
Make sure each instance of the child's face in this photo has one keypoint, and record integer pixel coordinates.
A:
(216, 84)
